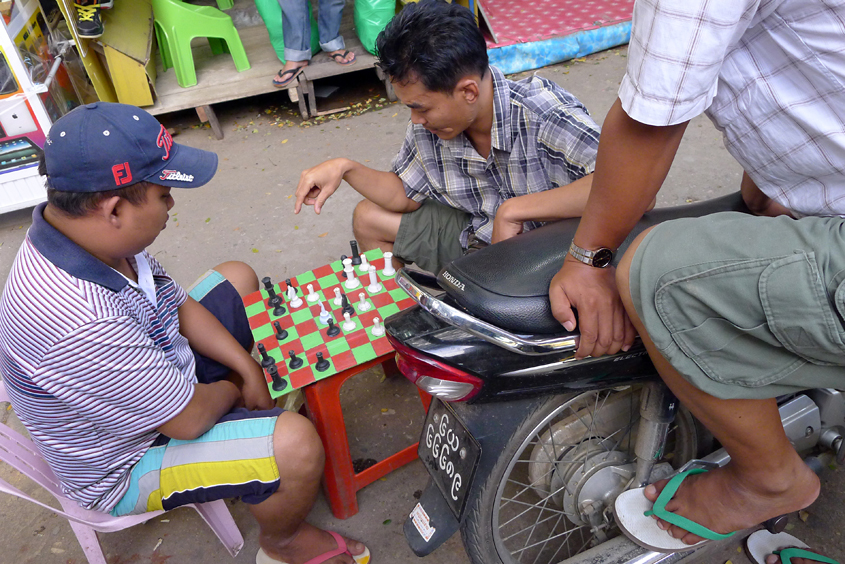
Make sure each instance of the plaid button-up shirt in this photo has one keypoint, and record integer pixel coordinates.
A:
(770, 74)
(542, 137)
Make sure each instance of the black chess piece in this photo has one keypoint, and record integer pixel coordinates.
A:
(268, 284)
(279, 383)
(274, 299)
(334, 330)
(290, 284)
(279, 310)
(347, 307)
(266, 360)
(322, 364)
(295, 361)
(342, 258)
(281, 334)
(356, 255)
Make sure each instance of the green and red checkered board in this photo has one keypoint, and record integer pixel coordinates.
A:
(307, 336)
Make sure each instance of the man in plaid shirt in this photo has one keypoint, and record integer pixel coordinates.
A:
(484, 158)
(734, 309)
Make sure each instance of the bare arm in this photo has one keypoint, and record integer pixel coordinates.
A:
(208, 337)
(758, 202)
(208, 404)
(632, 163)
(380, 187)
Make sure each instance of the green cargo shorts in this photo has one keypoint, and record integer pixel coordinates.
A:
(430, 237)
(744, 306)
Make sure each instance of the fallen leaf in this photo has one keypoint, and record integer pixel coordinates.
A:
(254, 250)
(323, 234)
(387, 521)
(394, 115)
(285, 141)
(296, 227)
(255, 131)
(803, 515)
(207, 219)
(290, 196)
(165, 520)
(158, 544)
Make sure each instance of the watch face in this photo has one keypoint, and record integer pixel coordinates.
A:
(602, 258)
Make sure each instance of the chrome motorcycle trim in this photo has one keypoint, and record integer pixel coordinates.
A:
(526, 345)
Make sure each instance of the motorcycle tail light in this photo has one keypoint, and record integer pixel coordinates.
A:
(434, 377)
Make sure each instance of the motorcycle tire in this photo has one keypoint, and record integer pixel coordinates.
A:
(543, 490)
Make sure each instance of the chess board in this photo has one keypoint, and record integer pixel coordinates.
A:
(307, 336)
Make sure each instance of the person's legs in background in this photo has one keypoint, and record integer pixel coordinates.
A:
(329, 16)
(296, 26)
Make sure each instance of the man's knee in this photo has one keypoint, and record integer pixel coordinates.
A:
(299, 450)
(364, 219)
(240, 274)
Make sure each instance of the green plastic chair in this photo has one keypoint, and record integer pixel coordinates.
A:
(225, 4)
(177, 23)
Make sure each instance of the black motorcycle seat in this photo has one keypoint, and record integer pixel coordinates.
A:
(507, 284)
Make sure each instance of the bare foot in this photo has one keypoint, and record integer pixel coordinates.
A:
(309, 543)
(288, 72)
(725, 500)
(775, 559)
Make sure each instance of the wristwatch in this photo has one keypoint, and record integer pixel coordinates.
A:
(600, 258)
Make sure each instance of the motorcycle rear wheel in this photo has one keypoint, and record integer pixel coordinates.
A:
(531, 507)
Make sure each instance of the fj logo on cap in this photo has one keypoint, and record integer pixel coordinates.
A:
(176, 175)
(122, 174)
(165, 141)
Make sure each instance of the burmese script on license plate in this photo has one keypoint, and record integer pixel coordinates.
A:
(450, 454)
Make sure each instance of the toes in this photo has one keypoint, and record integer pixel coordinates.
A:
(772, 559)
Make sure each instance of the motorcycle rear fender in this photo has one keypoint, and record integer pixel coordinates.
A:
(492, 425)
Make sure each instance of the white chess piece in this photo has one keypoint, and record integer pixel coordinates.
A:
(364, 266)
(294, 301)
(363, 304)
(312, 295)
(388, 264)
(374, 283)
(352, 281)
(378, 328)
(348, 324)
(324, 315)
(347, 262)
(337, 299)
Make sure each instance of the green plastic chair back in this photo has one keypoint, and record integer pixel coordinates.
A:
(177, 23)
(271, 12)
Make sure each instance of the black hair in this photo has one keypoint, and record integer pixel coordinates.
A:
(433, 41)
(80, 204)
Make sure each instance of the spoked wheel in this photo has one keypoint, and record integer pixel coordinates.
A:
(550, 495)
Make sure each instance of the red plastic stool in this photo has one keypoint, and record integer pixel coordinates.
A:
(322, 400)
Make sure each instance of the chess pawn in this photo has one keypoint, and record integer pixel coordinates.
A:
(338, 300)
(312, 295)
(324, 315)
(378, 328)
(348, 324)
(364, 266)
(388, 264)
(363, 304)
(374, 283)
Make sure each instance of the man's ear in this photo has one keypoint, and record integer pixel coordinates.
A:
(468, 88)
(111, 210)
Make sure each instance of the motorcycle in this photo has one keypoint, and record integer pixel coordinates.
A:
(527, 448)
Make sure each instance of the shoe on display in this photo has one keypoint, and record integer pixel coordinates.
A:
(88, 22)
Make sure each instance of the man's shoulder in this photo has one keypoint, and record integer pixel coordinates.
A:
(542, 97)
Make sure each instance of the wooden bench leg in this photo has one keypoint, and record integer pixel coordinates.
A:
(388, 86)
(206, 114)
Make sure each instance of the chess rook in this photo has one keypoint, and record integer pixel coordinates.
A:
(356, 255)
(388, 264)
(374, 283)
(378, 328)
(352, 281)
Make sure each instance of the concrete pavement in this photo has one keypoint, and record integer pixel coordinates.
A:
(245, 214)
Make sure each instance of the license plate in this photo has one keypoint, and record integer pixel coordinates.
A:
(450, 454)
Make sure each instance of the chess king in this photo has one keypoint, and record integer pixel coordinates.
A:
(118, 371)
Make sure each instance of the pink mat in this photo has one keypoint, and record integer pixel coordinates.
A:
(525, 21)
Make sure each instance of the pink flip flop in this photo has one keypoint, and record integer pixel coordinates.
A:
(363, 558)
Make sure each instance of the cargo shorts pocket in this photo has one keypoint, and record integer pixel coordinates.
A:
(713, 313)
(799, 313)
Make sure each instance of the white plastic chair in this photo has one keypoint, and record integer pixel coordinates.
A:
(20, 453)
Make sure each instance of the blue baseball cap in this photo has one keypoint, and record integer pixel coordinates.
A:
(104, 146)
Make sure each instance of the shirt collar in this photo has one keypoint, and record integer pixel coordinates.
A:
(69, 256)
(500, 137)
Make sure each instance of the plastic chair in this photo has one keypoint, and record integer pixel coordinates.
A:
(21, 453)
(227, 4)
(177, 23)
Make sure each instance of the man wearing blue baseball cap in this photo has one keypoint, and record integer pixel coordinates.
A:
(136, 391)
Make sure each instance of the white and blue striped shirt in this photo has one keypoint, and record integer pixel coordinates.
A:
(92, 366)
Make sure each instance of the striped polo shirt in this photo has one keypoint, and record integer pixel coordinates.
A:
(91, 365)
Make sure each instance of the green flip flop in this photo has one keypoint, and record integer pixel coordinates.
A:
(787, 554)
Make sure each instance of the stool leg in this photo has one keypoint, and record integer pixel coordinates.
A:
(323, 402)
